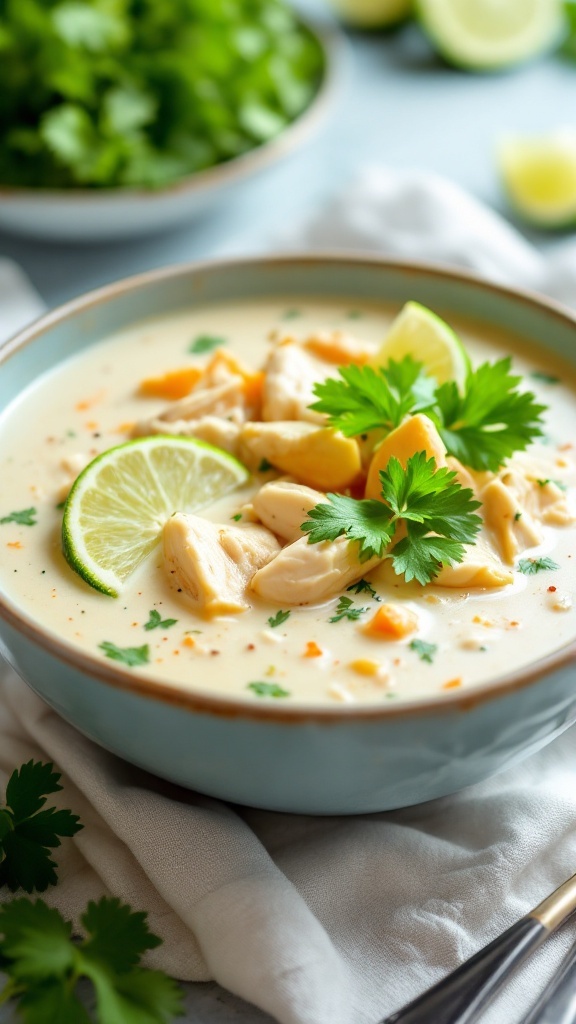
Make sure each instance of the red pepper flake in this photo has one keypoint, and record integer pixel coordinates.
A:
(551, 590)
(214, 652)
(135, 623)
(175, 652)
(250, 647)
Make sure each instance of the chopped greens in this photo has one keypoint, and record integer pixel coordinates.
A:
(346, 609)
(530, 566)
(424, 650)
(28, 832)
(278, 619)
(363, 586)
(268, 690)
(205, 343)
(265, 466)
(437, 513)
(130, 656)
(104, 94)
(44, 964)
(25, 517)
(156, 621)
(544, 378)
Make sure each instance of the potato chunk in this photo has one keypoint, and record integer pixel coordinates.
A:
(317, 456)
(415, 434)
(213, 562)
(306, 573)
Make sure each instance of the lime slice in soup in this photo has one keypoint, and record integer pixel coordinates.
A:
(119, 504)
(539, 176)
(483, 35)
(419, 333)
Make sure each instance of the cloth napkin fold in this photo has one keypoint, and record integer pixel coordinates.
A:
(324, 920)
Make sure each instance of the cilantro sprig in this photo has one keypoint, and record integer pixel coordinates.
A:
(24, 517)
(29, 830)
(155, 621)
(44, 965)
(436, 513)
(482, 426)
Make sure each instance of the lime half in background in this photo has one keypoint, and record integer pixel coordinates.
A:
(373, 13)
(119, 504)
(420, 333)
(484, 35)
(539, 176)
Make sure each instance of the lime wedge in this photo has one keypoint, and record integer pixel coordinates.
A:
(483, 35)
(373, 13)
(419, 333)
(539, 176)
(119, 504)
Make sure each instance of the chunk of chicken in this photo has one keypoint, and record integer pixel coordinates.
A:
(529, 482)
(213, 562)
(513, 528)
(290, 375)
(212, 429)
(306, 573)
(283, 506)
(226, 401)
(317, 456)
(480, 568)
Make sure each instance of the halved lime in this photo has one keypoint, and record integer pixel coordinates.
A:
(373, 13)
(420, 333)
(539, 175)
(119, 504)
(483, 35)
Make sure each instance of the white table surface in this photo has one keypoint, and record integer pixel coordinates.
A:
(397, 105)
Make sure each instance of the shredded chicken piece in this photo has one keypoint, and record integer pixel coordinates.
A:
(318, 456)
(306, 573)
(288, 390)
(480, 568)
(213, 562)
(283, 506)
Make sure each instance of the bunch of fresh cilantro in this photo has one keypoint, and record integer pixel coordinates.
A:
(41, 958)
(105, 93)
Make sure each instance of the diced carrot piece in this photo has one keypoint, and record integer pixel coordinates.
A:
(452, 684)
(334, 352)
(391, 622)
(364, 667)
(312, 650)
(171, 385)
(189, 641)
(253, 384)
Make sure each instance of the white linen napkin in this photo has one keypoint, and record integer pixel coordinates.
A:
(327, 920)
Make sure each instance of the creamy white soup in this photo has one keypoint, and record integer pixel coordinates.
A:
(508, 604)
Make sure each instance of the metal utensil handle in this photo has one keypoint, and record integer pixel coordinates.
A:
(557, 1004)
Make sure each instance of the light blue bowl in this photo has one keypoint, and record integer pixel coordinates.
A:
(342, 760)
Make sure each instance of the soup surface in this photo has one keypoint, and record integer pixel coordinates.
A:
(317, 654)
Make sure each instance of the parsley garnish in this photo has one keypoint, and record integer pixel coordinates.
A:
(205, 343)
(549, 480)
(530, 566)
(363, 586)
(545, 378)
(278, 619)
(237, 517)
(156, 622)
(265, 466)
(437, 512)
(345, 609)
(25, 517)
(27, 833)
(44, 964)
(517, 516)
(425, 651)
(130, 656)
(291, 314)
(268, 690)
(365, 399)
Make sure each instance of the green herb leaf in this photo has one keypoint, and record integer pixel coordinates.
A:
(237, 517)
(424, 650)
(366, 399)
(363, 586)
(544, 378)
(156, 621)
(278, 619)
(530, 566)
(130, 656)
(291, 314)
(437, 512)
(265, 466)
(205, 343)
(268, 690)
(346, 609)
(25, 517)
(28, 832)
(44, 965)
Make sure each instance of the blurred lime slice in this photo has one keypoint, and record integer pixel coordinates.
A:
(118, 506)
(484, 35)
(373, 13)
(539, 175)
(420, 333)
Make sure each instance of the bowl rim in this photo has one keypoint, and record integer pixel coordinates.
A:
(334, 48)
(153, 686)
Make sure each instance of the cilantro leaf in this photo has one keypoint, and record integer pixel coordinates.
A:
(27, 832)
(25, 517)
(44, 965)
(155, 621)
(130, 656)
(544, 378)
(530, 566)
(361, 587)
(262, 689)
(265, 466)
(436, 512)
(366, 399)
(205, 343)
(424, 650)
(278, 619)
(345, 609)
(491, 420)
